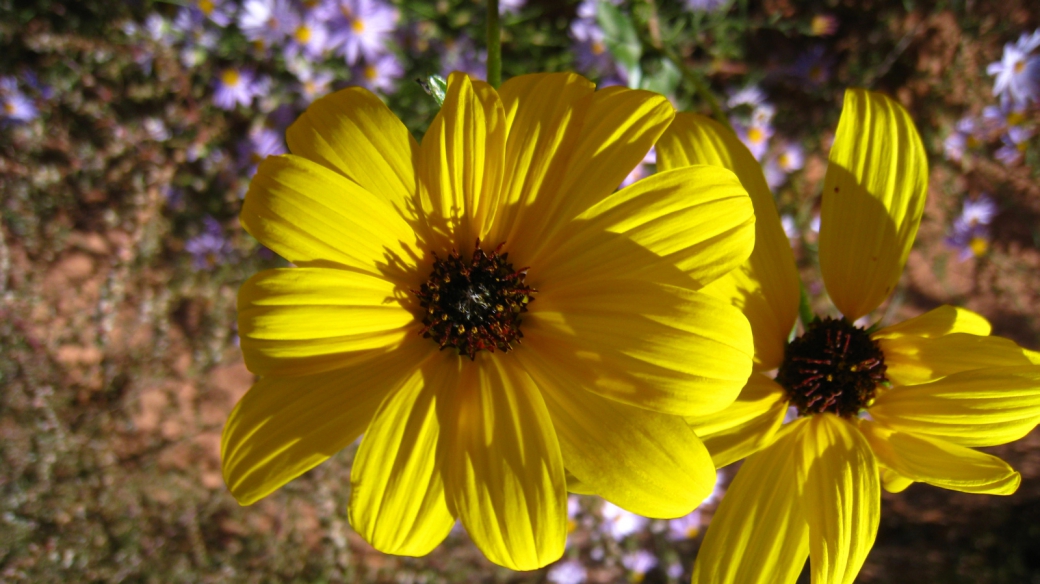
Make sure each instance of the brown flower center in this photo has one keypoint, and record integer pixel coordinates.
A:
(474, 305)
(833, 367)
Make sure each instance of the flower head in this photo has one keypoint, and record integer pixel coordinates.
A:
(359, 28)
(567, 572)
(309, 38)
(209, 249)
(236, 87)
(267, 22)
(490, 312)
(590, 48)
(261, 143)
(1017, 80)
(638, 564)
(905, 403)
(619, 523)
(970, 231)
(461, 54)
(14, 105)
(381, 74)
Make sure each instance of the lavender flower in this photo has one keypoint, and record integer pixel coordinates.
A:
(1016, 80)
(1015, 142)
(209, 248)
(236, 87)
(221, 12)
(638, 564)
(314, 84)
(359, 28)
(777, 168)
(310, 38)
(964, 136)
(619, 523)
(510, 6)
(260, 144)
(379, 75)
(267, 22)
(969, 234)
(685, 527)
(156, 129)
(790, 227)
(461, 54)
(813, 66)
(642, 169)
(15, 107)
(751, 95)
(567, 572)
(705, 5)
(755, 137)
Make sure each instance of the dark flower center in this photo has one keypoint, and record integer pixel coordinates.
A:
(833, 367)
(476, 304)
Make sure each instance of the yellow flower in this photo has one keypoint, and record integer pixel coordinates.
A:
(504, 223)
(906, 403)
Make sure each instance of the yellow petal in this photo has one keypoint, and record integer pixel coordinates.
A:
(912, 360)
(758, 534)
(397, 498)
(302, 321)
(311, 215)
(648, 463)
(745, 427)
(766, 286)
(892, 481)
(699, 219)
(285, 426)
(618, 128)
(353, 133)
(937, 322)
(461, 159)
(841, 496)
(983, 407)
(940, 463)
(505, 471)
(544, 116)
(644, 344)
(574, 485)
(873, 199)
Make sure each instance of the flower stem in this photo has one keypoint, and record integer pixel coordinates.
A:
(494, 46)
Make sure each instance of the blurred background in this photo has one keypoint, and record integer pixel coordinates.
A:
(128, 135)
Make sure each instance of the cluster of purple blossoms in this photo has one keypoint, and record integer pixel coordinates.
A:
(1011, 123)
(756, 128)
(969, 234)
(15, 106)
(210, 248)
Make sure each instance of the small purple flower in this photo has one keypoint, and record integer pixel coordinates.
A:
(777, 168)
(567, 572)
(510, 6)
(209, 248)
(267, 22)
(674, 570)
(813, 66)
(379, 75)
(359, 28)
(461, 54)
(310, 38)
(1015, 73)
(314, 84)
(618, 523)
(221, 12)
(590, 49)
(260, 144)
(1015, 143)
(15, 107)
(969, 233)
(685, 527)
(642, 170)
(755, 137)
(966, 134)
(156, 129)
(639, 563)
(790, 227)
(751, 95)
(705, 5)
(236, 87)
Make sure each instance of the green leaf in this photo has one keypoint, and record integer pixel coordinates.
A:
(664, 80)
(619, 34)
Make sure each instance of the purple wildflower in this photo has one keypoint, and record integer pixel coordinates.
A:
(314, 84)
(755, 137)
(461, 54)
(965, 135)
(642, 170)
(510, 6)
(790, 158)
(705, 5)
(310, 38)
(969, 234)
(15, 107)
(221, 12)
(567, 572)
(1013, 82)
(751, 95)
(359, 28)
(813, 66)
(236, 87)
(590, 50)
(267, 22)
(379, 75)
(1015, 142)
(790, 227)
(260, 144)
(156, 129)
(209, 248)
(619, 523)
(639, 563)
(686, 527)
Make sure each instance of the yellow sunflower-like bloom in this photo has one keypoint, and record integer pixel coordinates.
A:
(906, 403)
(503, 223)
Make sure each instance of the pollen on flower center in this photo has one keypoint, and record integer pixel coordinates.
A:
(229, 77)
(474, 305)
(833, 367)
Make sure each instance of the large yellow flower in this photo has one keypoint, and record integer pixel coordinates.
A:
(906, 403)
(504, 223)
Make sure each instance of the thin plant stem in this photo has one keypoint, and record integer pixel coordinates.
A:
(494, 46)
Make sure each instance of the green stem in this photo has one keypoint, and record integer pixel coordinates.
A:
(805, 307)
(494, 46)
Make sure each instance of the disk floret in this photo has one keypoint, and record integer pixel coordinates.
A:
(474, 305)
(833, 367)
